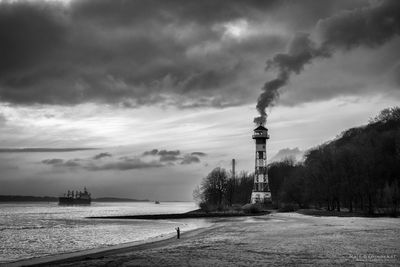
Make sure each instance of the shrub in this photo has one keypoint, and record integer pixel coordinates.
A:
(252, 208)
(288, 208)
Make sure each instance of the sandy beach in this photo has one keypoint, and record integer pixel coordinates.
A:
(275, 239)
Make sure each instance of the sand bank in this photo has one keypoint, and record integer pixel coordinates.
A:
(188, 215)
(275, 239)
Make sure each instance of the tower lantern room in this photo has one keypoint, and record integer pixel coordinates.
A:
(261, 192)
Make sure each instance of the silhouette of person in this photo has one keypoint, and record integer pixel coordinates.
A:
(178, 232)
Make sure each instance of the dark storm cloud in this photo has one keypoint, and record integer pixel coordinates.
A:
(102, 155)
(368, 26)
(28, 32)
(372, 26)
(189, 159)
(208, 12)
(128, 52)
(134, 53)
(152, 152)
(52, 161)
(171, 156)
(200, 154)
(169, 152)
(161, 158)
(44, 150)
(165, 155)
(124, 164)
(72, 163)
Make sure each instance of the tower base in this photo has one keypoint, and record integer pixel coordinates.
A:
(260, 197)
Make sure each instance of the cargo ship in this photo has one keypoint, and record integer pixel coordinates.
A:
(75, 198)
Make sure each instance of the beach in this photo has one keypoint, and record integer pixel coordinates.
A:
(274, 239)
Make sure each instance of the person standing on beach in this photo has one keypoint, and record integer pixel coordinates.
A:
(178, 232)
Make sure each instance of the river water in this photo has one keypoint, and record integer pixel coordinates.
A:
(30, 230)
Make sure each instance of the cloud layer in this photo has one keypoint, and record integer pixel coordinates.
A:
(127, 52)
(180, 53)
(43, 150)
(149, 159)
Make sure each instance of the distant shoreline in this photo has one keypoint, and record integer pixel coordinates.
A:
(14, 199)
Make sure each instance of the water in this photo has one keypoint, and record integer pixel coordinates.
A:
(39, 229)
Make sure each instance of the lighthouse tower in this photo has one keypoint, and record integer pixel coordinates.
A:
(261, 192)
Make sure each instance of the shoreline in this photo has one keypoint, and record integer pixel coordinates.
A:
(94, 253)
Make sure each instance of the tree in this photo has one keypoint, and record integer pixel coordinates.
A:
(243, 186)
(214, 187)
(278, 173)
(217, 191)
(386, 115)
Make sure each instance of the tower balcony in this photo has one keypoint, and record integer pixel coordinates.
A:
(261, 135)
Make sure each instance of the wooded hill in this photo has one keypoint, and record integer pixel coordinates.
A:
(359, 170)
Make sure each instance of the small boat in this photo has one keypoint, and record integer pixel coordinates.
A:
(77, 198)
(157, 202)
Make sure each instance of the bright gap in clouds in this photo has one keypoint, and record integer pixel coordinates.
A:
(242, 29)
(236, 28)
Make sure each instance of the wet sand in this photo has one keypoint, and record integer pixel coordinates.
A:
(275, 239)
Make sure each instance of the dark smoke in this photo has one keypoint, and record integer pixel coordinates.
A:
(371, 26)
(301, 51)
(269, 94)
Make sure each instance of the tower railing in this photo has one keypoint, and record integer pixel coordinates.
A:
(261, 135)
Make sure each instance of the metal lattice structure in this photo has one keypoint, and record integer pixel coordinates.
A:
(261, 192)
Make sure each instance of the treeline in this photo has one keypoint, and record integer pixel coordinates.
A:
(220, 190)
(359, 171)
(7, 198)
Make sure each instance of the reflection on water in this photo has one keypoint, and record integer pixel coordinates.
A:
(38, 229)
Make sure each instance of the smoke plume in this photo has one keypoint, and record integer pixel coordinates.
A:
(371, 26)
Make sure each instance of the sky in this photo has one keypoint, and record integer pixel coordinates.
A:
(142, 99)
